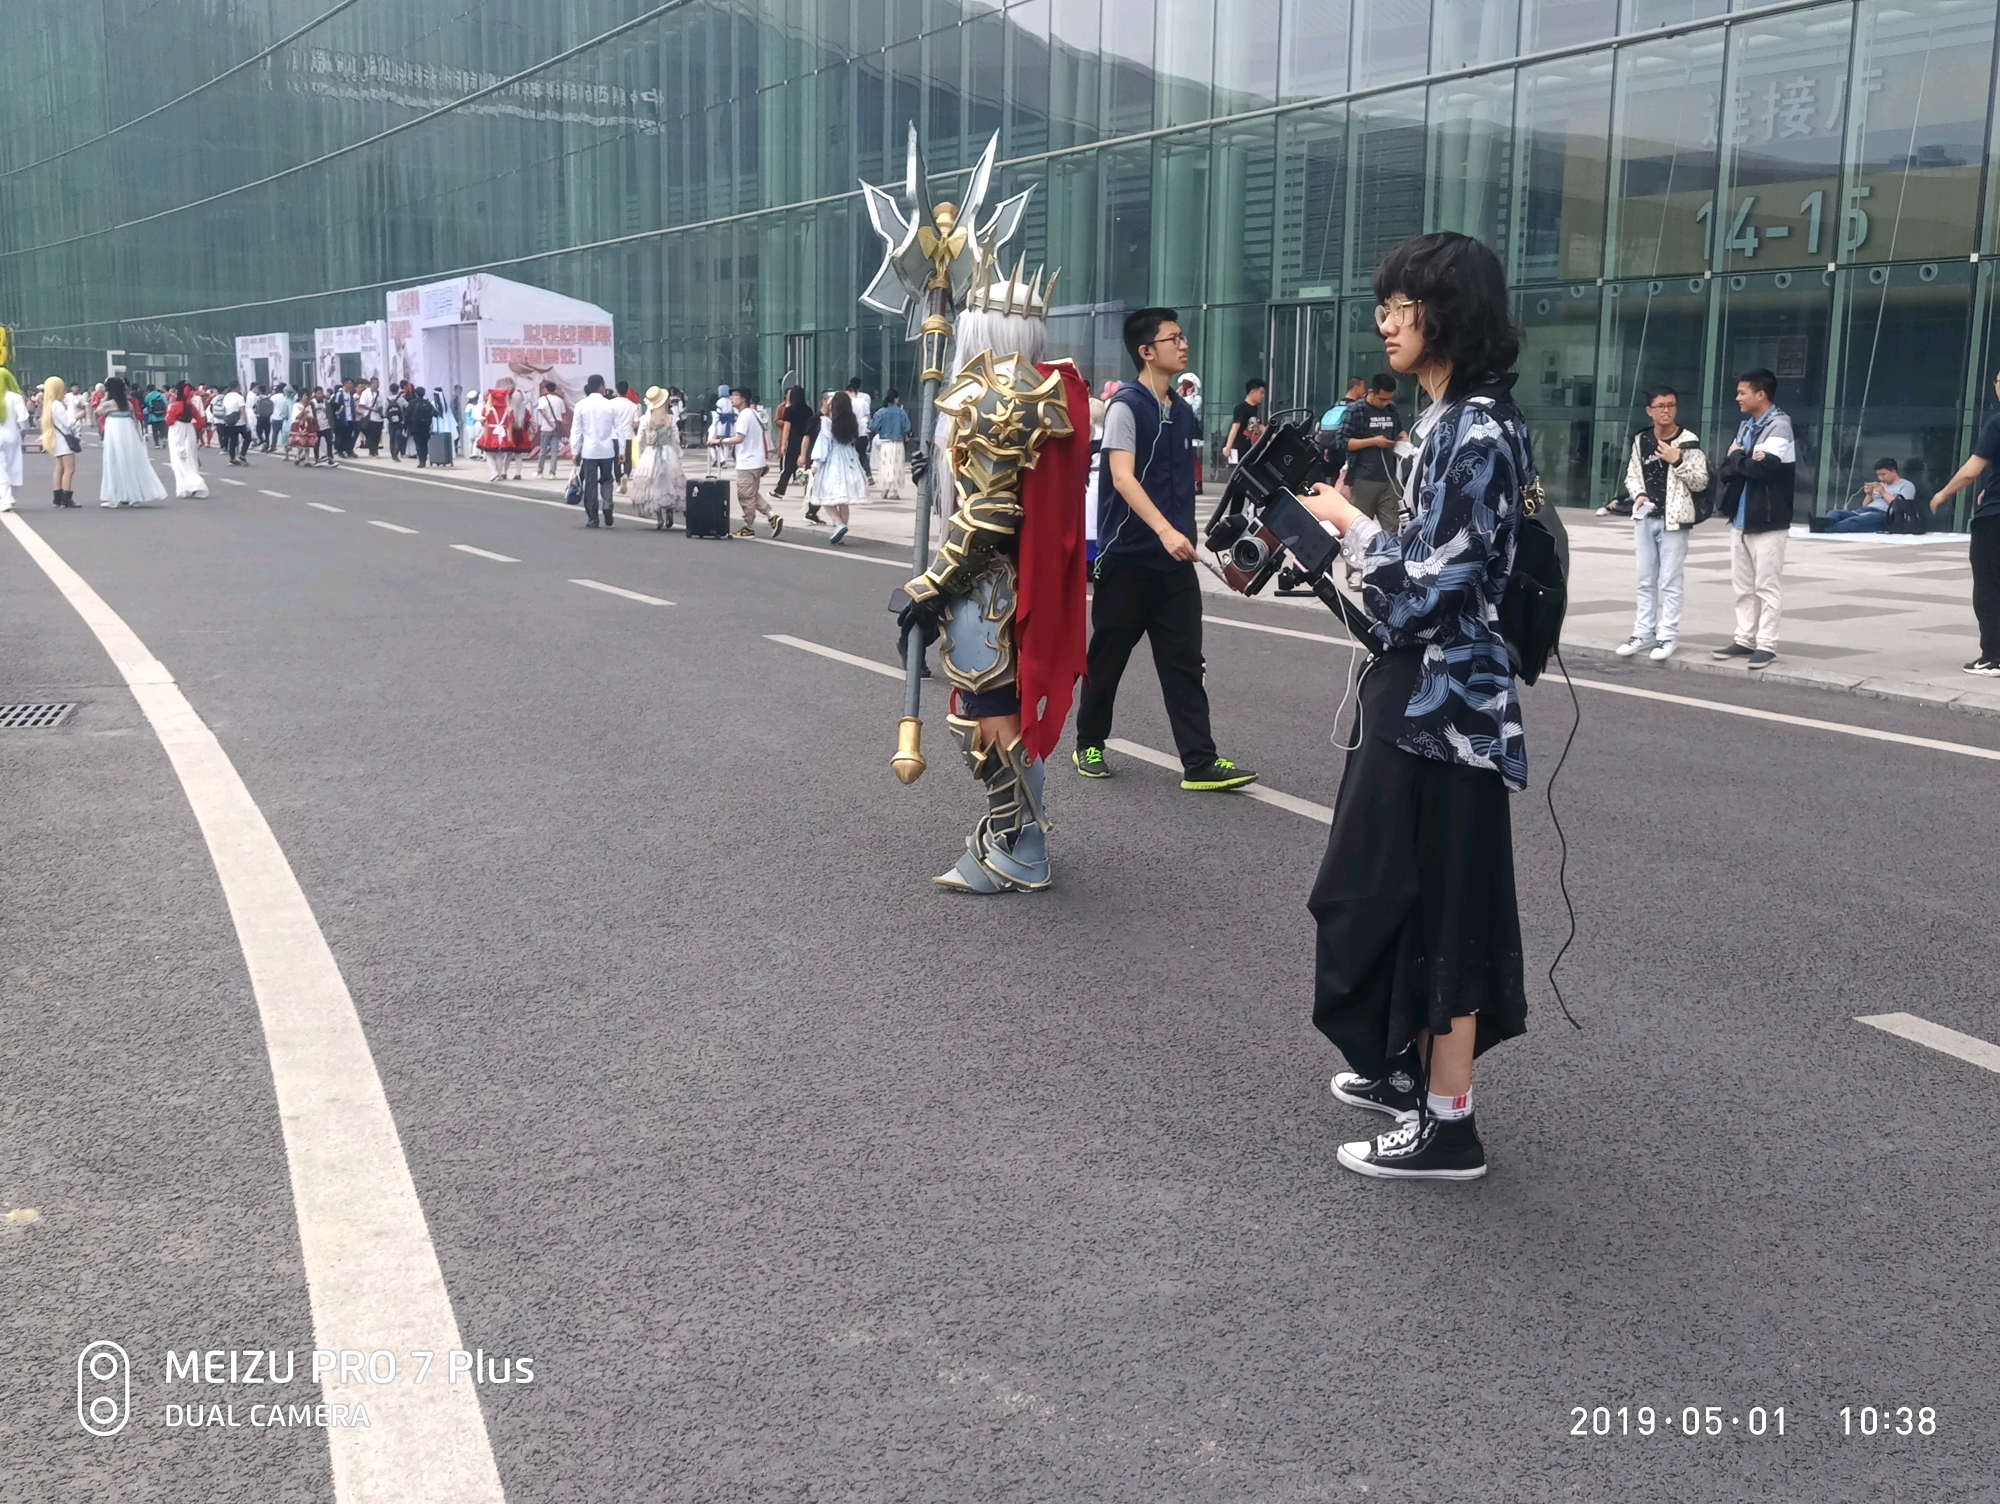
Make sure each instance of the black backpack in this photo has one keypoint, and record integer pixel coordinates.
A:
(1531, 612)
(1908, 515)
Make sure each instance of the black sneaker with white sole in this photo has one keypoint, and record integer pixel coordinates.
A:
(1986, 668)
(1395, 1093)
(1420, 1148)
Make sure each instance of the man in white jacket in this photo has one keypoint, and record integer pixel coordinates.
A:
(1664, 472)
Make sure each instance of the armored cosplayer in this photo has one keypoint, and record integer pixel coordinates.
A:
(1006, 589)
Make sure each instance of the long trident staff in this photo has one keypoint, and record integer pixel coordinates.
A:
(929, 260)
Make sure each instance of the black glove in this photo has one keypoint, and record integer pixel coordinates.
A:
(920, 466)
(923, 617)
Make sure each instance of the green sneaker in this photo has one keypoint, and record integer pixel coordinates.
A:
(1090, 762)
(1220, 774)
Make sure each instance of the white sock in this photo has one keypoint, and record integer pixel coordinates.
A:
(1449, 1109)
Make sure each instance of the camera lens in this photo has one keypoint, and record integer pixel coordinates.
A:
(1249, 554)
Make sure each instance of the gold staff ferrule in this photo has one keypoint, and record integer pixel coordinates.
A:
(909, 759)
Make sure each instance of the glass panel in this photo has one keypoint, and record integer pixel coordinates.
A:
(1562, 118)
(1388, 179)
(1128, 224)
(1180, 200)
(1027, 80)
(1312, 201)
(944, 129)
(1663, 147)
(1325, 381)
(1465, 32)
(1185, 54)
(1471, 157)
(1558, 386)
(1563, 23)
(1788, 77)
(1313, 60)
(1232, 353)
(1073, 226)
(1246, 55)
(1242, 214)
(1915, 126)
(1656, 335)
(1778, 321)
(1903, 345)
(986, 81)
(1128, 67)
(1392, 40)
(1644, 15)
(1073, 80)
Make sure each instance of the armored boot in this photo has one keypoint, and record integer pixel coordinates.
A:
(1008, 848)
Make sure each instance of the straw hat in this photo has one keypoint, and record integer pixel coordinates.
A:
(656, 396)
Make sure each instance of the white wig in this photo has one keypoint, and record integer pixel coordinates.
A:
(978, 330)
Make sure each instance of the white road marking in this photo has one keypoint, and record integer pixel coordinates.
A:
(371, 1271)
(1289, 802)
(1966, 1047)
(1841, 727)
(1262, 795)
(391, 526)
(1258, 626)
(886, 670)
(324, 507)
(467, 548)
(282, 496)
(446, 485)
(228, 482)
(829, 552)
(630, 595)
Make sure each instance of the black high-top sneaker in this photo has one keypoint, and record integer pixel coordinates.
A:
(1420, 1148)
(1395, 1093)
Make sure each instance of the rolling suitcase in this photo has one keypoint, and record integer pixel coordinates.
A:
(440, 449)
(708, 509)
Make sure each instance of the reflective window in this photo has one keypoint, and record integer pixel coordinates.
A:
(1242, 217)
(1780, 322)
(1246, 55)
(1563, 23)
(1181, 171)
(1468, 32)
(1664, 148)
(1312, 202)
(1313, 59)
(1184, 50)
(1391, 40)
(1471, 158)
(1781, 138)
(1644, 15)
(1561, 120)
(1557, 389)
(1905, 332)
(1073, 72)
(1387, 140)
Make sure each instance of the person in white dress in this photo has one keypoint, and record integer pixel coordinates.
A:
(658, 482)
(61, 437)
(838, 481)
(13, 427)
(184, 420)
(888, 428)
(127, 477)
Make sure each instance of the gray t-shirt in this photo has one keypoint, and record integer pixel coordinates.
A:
(1120, 429)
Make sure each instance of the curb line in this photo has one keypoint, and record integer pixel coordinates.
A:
(1802, 679)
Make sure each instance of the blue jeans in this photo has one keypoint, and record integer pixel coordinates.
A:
(1867, 520)
(1662, 556)
(546, 455)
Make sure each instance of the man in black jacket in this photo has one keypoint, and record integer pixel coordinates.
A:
(1985, 462)
(1754, 490)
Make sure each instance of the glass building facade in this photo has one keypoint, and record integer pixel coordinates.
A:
(1680, 188)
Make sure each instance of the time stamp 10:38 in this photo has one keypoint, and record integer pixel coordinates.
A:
(1758, 1420)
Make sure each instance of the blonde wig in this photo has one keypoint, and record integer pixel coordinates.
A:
(53, 392)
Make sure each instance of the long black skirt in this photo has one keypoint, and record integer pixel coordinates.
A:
(1418, 923)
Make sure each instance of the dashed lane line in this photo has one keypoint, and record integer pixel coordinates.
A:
(1966, 1047)
(467, 548)
(1257, 791)
(1842, 728)
(229, 482)
(1262, 795)
(394, 527)
(829, 552)
(281, 495)
(324, 507)
(372, 1274)
(630, 595)
(447, 485)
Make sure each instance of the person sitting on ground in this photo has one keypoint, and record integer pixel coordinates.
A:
(1883, 492)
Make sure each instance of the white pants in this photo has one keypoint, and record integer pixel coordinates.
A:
(1756, 560)
(1662, 558)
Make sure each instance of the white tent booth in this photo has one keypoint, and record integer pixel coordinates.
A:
(263, 360)
(352, 352)
(465, 334)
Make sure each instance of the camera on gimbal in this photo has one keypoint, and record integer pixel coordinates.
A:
(1260, 523)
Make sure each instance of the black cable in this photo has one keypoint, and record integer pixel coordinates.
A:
(1562, 865)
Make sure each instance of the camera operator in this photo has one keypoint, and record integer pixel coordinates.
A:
(1419, 955)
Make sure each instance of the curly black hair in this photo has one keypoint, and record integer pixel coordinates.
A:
(1464, 313)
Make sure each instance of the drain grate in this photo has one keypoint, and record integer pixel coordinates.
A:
(33, 717)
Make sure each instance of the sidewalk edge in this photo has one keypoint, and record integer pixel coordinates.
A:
(1839, 684)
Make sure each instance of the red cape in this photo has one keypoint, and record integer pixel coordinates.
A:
(1049, 636)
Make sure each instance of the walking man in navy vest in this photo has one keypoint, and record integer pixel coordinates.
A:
(1146, 582)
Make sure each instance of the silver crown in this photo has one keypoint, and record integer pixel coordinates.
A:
(1011, 294)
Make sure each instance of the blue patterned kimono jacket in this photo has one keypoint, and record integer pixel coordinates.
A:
(1438, 584)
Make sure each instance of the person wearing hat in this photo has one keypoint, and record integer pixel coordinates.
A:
(658, 482)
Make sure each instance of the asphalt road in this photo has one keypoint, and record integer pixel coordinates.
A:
(801, 1180)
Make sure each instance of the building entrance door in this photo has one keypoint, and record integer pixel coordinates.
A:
(1305, 350)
